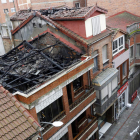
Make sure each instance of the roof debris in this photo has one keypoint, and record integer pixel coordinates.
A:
(30, 64)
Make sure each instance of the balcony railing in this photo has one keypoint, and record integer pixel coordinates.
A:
(133, 28)
(101, 108)
(81, 89)
(88, 92)
(58, 117)
(91, 120)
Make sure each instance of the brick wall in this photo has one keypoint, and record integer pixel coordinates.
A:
(114, 7)
(98, 46)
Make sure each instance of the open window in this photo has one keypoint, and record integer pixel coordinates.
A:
(78, 83)
(51, 111)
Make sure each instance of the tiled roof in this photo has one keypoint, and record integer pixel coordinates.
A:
(15, 121)
(21, 15)
(71, 13)
(121, 20)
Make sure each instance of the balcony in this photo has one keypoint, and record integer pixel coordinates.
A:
(80, 90)
(100, 109)
(86, 127)
(57, 118)
(88, 91)
(133, 28)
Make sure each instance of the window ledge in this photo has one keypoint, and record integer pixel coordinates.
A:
(105, 61)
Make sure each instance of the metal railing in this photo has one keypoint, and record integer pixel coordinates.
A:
(133, 28)
(79, 91)
(58, 117)
(93, 119)
(88, 91)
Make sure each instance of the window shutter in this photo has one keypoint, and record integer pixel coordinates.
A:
(96, 27)
(114, 83)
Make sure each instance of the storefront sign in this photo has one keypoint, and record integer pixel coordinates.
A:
(134, 96)
(120, 91)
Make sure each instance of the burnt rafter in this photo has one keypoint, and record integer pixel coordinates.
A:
(30, 64)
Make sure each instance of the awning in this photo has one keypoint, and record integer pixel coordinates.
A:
(104, 76)
(105, 127)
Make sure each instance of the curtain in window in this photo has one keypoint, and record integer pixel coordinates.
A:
(96, 27)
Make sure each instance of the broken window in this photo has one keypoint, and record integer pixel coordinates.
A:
(77, 83)
(51, 111)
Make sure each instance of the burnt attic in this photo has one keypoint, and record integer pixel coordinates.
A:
(32, 63)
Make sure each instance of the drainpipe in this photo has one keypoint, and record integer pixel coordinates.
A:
(85, 3)
(89, 80)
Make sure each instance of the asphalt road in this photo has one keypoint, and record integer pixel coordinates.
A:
(127, 122)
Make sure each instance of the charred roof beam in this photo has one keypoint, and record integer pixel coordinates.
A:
(45, 56)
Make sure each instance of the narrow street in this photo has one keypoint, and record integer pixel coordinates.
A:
(127, 122)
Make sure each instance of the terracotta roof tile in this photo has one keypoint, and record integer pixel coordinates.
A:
(13, 123)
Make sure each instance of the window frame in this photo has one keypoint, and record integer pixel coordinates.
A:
(130, 52)
(14, 10)
(118, 46)
(78, 4)
(125, 68)
(6, 9)
(5, 1)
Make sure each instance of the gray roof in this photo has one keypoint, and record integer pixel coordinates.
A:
(104, 76)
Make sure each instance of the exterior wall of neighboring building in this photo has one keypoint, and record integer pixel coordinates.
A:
(7, 4)
(117, 6)
(98, 47)
(121, 62)
(2, 49)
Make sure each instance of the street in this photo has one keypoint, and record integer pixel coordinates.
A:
(127, 122)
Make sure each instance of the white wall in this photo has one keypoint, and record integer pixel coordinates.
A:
(88, 25)
(2, 50)
(121, 58)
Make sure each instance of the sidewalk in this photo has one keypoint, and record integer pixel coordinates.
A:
(121, 130)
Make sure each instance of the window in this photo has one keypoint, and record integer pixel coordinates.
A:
(114, 84)
(5, 10)
(96, 27)
(104, 55)
(77, 83)
(77, 5)
(5, 32)
(3, 1)
(10, 0)
(118, 45)
(118, 75)
(131, 52)
(138, 50)
(124, 69)
(13, 10)
(65, 137)
(95, 64)
(95, 55)
(51, 111)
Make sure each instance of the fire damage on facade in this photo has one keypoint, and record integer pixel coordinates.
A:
(31, 64)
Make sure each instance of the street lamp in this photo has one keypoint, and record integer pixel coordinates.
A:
(56, 123)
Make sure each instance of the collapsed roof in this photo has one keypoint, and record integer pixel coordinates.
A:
(30, 64)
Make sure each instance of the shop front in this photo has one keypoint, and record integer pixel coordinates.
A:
(122, 100)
